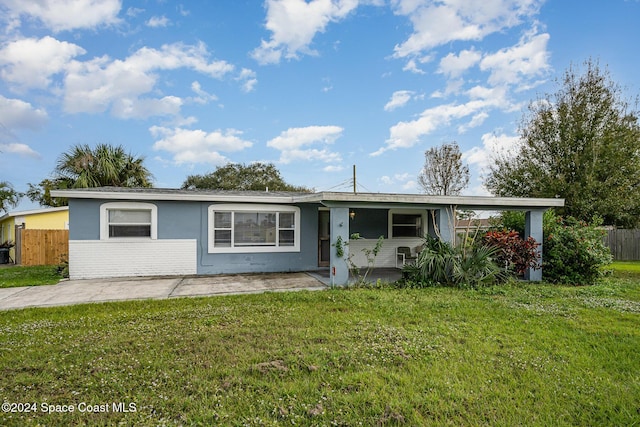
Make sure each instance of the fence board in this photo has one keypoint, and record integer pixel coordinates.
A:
(624, 244)
(44, 247)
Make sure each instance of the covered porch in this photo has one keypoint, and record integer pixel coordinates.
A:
(403, 220)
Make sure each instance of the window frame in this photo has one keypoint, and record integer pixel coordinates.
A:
(132, 206)
(253, 208)
(417, 212)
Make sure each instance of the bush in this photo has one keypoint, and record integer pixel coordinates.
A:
(443, 264)
(514, 253)
(574, 252)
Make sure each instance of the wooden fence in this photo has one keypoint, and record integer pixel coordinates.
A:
(624, 244)
(41, 247)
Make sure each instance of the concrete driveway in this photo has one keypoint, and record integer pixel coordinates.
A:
(102, 290)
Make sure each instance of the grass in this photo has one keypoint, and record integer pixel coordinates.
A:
(12, 276)
(628, 269)
(519, 354)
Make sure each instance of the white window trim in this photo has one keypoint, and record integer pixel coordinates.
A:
(104, 219)
(252, 208)
(423, 213)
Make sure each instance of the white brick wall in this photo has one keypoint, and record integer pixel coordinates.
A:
(90, 259)
(387, 255)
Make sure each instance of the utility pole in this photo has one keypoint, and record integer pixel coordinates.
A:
(354, 179)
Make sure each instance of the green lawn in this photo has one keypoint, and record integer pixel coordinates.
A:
(12, 276)
(520, 354)
(628, 269)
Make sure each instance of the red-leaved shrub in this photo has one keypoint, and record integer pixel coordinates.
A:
(516, 254)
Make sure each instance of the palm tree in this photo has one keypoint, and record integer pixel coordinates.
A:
(86, 167)
(9, 197)
(105, 165)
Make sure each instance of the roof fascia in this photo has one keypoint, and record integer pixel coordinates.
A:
(195, 197)
(34, 212)
(333, 199)
(429, 202)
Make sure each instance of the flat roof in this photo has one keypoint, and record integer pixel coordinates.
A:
(327, 198)
(33, 212)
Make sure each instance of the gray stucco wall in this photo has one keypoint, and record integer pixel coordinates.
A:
(84, 219)
(305, 260)
(188, 220)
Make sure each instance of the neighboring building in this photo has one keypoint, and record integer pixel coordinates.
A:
(142, 232)
(471, 225)
(40, 219)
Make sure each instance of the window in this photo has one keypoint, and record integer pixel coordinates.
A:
(253, 228)
(128, 220)
(406, 224)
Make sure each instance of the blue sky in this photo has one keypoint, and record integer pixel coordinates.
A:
(314, 86)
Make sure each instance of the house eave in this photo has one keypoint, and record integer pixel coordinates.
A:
(461, 202)
(193, 197)
(33, 212)
(329, 199)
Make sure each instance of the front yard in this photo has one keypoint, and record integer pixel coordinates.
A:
(17, 275)
(511, 355)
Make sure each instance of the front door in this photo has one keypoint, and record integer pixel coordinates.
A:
(324, 238)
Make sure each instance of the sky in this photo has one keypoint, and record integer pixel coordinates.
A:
(313, 86)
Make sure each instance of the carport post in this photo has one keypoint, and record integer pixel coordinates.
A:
(444, 224)
(533, 228)
(339, 227)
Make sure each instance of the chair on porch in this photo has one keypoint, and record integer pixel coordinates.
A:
(404, 256)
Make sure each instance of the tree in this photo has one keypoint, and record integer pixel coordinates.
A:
(235, 176)
(443, 172)
(86, 167)
(9, 197)
(579, 143)
(41, 193)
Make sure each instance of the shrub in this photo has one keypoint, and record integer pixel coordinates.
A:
(509, 220)
(463, 265)
(574, 252)
(515, 254)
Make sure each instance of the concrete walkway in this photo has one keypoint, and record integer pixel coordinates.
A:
(103, 290)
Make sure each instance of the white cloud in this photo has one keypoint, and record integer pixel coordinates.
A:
(293, 25)
(454, 86)
(248, 79)
(492, 145)
(203, 96)
(408, 134)
(30, 63)
(157, 22)
(398, 99)
(61, 15)
(333, 168)
(290, 143)
(455, 65)
(141, 108)
(127, 87)
(19, 149)
(198, 146)
(476, 120)
(436, 24)
(412, 67)
(527, 59)
(132, 12)
(101, 83)
(405, 181)
(18, 114)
